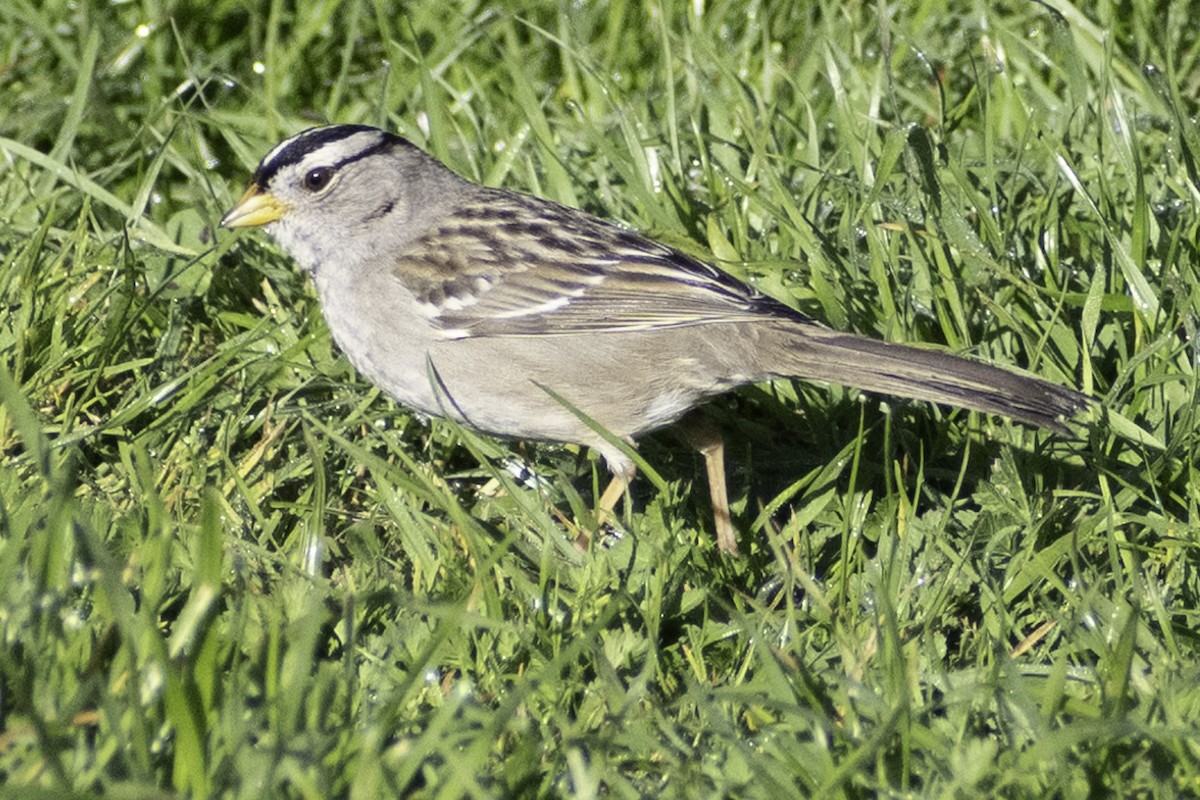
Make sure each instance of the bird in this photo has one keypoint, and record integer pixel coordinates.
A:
(520, 317)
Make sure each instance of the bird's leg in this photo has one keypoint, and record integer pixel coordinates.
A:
(616, 489)
(623, 472)
(700, 432)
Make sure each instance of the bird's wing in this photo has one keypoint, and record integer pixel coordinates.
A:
(518, 266)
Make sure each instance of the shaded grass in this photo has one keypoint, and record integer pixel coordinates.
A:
(230, 567)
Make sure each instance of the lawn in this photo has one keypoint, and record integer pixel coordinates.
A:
(230, 567)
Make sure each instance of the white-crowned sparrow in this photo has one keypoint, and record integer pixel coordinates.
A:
(493, 307)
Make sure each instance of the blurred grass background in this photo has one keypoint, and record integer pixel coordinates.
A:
(231, 568)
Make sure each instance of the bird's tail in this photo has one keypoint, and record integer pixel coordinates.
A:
(819, 353)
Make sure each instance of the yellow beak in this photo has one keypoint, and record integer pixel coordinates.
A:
(255, 208)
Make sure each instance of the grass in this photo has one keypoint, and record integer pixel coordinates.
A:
(229, 567)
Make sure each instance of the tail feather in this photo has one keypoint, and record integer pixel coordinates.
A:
(819, 353)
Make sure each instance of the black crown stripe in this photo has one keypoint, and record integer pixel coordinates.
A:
(313, 139)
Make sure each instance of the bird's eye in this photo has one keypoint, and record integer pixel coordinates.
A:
(317, 179)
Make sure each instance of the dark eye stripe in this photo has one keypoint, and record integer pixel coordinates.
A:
(384, 144)
(307, 142)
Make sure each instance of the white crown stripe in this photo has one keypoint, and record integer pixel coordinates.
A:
(317, 146)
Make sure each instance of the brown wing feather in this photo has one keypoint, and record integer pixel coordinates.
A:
(504, 268)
